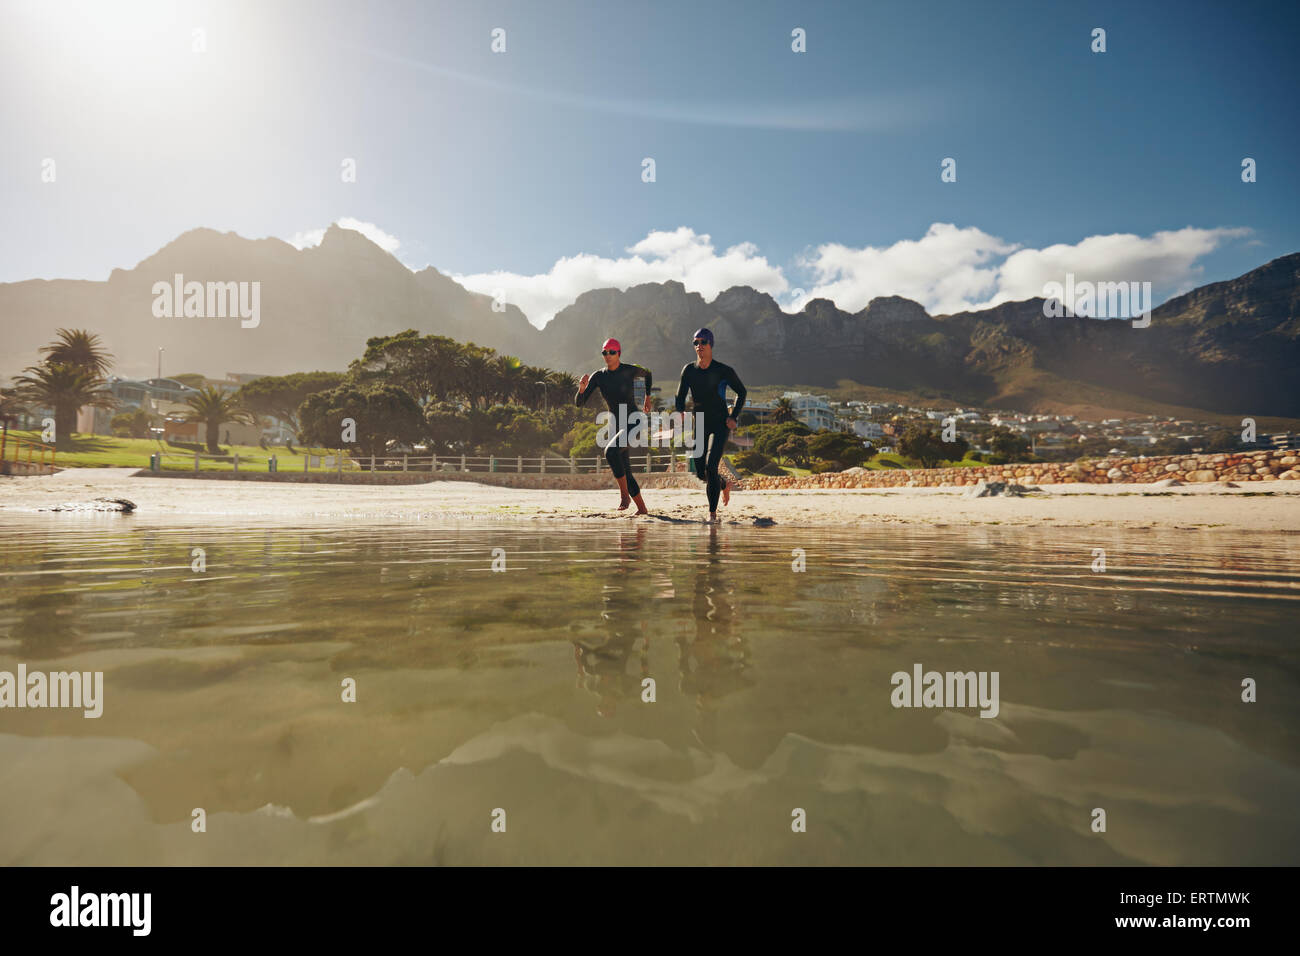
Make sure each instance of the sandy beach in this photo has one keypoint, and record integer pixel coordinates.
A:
(1205, 506)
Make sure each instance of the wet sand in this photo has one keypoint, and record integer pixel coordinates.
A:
(1271, 506)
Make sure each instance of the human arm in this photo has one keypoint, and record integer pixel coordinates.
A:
(586, 385)
(640, 371)
(680, 401)
(738, 387)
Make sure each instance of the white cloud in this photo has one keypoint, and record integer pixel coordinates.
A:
(954, 270)
(1165, 259)
(941, 270)
(681, 254)
(313, 237)
(949, 269)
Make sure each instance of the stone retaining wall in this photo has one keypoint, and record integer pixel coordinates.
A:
(23, 468)
(1282, 464)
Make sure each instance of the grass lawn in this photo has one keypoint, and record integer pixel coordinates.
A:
(888, 462)
(103, 451)
(893, 460)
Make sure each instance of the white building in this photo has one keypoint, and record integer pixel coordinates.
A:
(869, 430)
(813, 410)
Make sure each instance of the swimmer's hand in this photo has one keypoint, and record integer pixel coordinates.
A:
(731, 423)
(582, 382)
(646, 408)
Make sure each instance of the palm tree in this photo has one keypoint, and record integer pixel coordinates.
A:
(535, 389)
(214, 408)
(561, 387)
(12, 407)
(783, 411)
(80, 348)
(508, 378)
(441, 359)
(476, 375)
(64, 388)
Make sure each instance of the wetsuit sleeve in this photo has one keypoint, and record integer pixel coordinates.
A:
(585, 393)
(680, 402)
(738, 387)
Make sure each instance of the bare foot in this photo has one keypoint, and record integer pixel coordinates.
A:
(726, 493)
(643, 511)
(622, 505)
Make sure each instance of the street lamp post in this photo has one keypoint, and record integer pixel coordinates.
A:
(160, 352)
(546, 399)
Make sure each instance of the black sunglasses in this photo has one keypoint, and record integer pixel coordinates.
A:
(609, 352)
(701, 342)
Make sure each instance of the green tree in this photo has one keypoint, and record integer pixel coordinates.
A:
(64, 388)
(281, 395)
(478, 375)
(923, 445)
(214, 408)
(381, 413)
(426, 366)
(132, 424)
(751, 462)
(842, 447)
(1169, 446)
(525, 434)
(447, 427)
(1009, 445)
(768, 439)
(795, 450)
(508, 430)
(1093, 447)
(1222, 440)
(956, 449)
(580, 441)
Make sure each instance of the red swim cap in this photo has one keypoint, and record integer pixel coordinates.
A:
(611, 344)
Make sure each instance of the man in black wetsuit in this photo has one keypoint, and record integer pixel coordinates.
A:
(615, 384)
(708, 381)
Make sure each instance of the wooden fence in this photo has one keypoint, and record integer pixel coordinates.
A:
(33, 454)
(655, 461)
(545, 465)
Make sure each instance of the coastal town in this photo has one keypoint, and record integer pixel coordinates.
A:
(1059, 437)
(159, 407)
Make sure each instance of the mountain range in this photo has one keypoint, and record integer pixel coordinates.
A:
(318, 307)
(1230, 347)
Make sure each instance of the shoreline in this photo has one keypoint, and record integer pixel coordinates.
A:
(1274, 507)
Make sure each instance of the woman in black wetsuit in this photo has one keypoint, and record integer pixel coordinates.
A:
(708, 380)
(615, 383)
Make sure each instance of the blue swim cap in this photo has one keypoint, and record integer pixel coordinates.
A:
(703, 334)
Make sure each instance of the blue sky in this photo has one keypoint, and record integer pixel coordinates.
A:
(521, 170)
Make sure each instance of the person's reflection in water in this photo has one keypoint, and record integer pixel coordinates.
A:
(603, 661)
(715, 661)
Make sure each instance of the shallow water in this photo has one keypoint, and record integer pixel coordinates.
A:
(521, 691)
